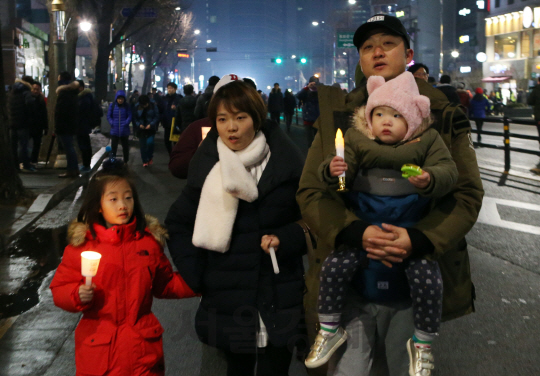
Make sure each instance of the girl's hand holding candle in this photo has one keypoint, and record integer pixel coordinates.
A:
(269, 244)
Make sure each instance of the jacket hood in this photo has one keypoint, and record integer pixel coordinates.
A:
(360, 123)
(120, 93)
(20, 86)
(78, 232)
(84, 92)
(71, 86)
(209, 89)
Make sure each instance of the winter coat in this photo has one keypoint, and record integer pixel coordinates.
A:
(201, 108)
(185, 112)
(310, 103)
(186, 147)
(450, 92)
(241, 281)
(145, 117)
(21, 105)
(534, 100)
(86, 111)
(40, 122)
(289, 103)
(327, 216)
(478, 106)
(275, 101)
(167, 113)
(66, 114)
(119, 116)
(118, 333)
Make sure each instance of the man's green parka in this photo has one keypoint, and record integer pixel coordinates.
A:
(446, 224)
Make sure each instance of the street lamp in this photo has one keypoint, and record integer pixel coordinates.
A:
(315, 23)
(197, 32)
(59, 17)
(85, 26)
(454, 54)
(352, 2)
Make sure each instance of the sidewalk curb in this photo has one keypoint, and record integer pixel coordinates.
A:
(52, 197)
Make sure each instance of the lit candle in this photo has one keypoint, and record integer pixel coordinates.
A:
(89, 265)
(340, 152)
(204, 131)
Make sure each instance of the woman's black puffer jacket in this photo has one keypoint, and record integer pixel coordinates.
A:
(239, 283)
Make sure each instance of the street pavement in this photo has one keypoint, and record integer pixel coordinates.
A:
(501, 338)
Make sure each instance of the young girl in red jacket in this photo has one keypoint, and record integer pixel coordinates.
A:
(118, 333)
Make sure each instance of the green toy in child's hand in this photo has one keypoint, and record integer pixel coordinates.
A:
(410, 170)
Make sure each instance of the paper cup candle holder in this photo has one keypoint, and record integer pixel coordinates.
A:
(89, 265)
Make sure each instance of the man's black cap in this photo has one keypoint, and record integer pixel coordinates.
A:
(381, 21)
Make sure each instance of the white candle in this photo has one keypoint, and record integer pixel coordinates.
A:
(89, 265)
(340, 147)
(274, 260)
(204, 131)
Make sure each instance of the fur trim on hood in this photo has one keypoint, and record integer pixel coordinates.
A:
(76, 235)
(84, 92)
(27, 84)
(73, 85)
(360, 123)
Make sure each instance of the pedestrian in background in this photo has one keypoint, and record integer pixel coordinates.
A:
(168, 111)
(419, 70)
(21, 116)
(146, 120)
(118, 334)
(185, 112)
(310, 107)
(238, 202)
(201, 108)
(66, 120)
(534, 100)
(86, 115)
(448, 90)
(119, 116)
(40, 123)
(289, 104)
(464, 96)
(275, 103)
(478, 107)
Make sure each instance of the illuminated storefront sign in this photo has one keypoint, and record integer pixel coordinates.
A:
(463, 39)
(498, 68)
(464, 11)
(465, 69)
(527, 17)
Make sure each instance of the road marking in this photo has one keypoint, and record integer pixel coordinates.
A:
(490, 215)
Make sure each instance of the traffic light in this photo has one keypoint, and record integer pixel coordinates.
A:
(277, 60)
(302, 60)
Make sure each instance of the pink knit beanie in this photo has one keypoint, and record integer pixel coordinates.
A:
(401, 94)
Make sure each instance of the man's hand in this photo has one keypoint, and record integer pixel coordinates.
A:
(421, 181)
(148, 126)
(391, 244)
(173, 107)
(86, 294)
(337, 166)
(141, 126)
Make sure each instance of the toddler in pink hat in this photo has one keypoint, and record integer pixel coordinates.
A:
(391, 130)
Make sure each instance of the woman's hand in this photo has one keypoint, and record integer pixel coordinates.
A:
(141, 126)
(86, 294)
(148, 126)
(337, 166)
(268, 241)
(390, 244)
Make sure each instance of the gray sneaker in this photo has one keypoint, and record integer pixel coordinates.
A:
(420, 360)
(324, 347)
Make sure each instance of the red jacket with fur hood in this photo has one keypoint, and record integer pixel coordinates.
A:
(118, 333)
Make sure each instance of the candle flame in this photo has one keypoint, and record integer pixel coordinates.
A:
(339, 134)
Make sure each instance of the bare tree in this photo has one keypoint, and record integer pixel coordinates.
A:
(171, 32)
(11, 187)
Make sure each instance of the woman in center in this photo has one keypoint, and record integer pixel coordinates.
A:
(239, 201)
